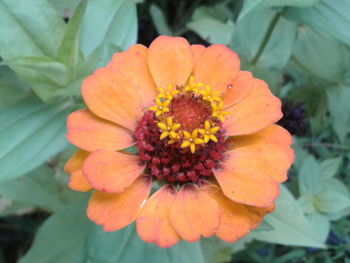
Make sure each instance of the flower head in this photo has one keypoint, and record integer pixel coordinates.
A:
(204, 130)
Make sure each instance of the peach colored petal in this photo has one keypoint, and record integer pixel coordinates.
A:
(111, 96)
(257, 111)
(112, 172)
(153, 224)
(74, 167)
(115, 211)
(236, 219)
(132, 63)
(243, 183)
(170, 61)
(239, 90)
(197, 51)
(267, 150)
(218, 67)
(89, 132)
(194, 213)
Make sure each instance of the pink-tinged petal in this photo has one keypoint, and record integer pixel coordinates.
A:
(115, 211)
(153, 224)
(170, 61)
(112, 172)
(217, 67)
(89, 132)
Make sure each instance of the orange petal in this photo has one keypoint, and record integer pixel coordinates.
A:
(89, 132)
(217, 66)
(170, 61)
(115, 211)
(243, 183)
(239, 90)
(194, 213)
(111, 96)
(74, 167)
(237, 219)
(257, 111)
(112, 172)
(197, 51)
(273, 134)
(132, 63)
(153, 224)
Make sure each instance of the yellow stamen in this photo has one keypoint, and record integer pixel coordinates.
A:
(160, 107)
(168, 129)
(218, 112)
(208, 95)
(191, 140)
(208, 132)
(167, 93)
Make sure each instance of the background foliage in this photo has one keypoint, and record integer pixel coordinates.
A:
(47, 47)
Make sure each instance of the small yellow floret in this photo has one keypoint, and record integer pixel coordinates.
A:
(208, 95)
(161, 106)
(167, 93)
(191, 86)
(218, 112)
(209, 132)
(168, 128)
(191, 140)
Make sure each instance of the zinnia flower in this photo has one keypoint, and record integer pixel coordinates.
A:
(205, 136)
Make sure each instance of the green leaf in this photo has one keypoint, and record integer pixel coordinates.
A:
(212, 30)
(307, 203)
(289, 223)
(159, 21)
(329, 167)
(43, 74)
(320, 54)
(112, 22)
(248, 36)
(310, 177)
(320, 225)
(250, 5)
(68, 49)
(339, 107)
(125, 246)
(29, 28)
(30, 133)
(61, 238)
(333, 198)
(331, 17)
(38, 188)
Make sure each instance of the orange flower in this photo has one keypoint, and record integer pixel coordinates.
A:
(204, 131)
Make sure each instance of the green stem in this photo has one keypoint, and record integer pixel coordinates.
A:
(267, 36)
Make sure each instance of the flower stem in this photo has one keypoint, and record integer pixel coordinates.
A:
(267, 36)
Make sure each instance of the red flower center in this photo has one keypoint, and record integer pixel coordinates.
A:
(190, 112)
(170, 162)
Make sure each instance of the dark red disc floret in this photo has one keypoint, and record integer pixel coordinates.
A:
(170, 162)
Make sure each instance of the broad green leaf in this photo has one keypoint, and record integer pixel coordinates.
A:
(38, 188)
(212, 30)
(307, 203)
(320, 54)
(11, 89)
(68, 49)
(43, 74)
(289, 223)
(310, 177)
(28, 28)
(61, 238)
(339, 108)
(30, 133)
(320, 225)
(125, 246)
(111, 22)
(329, 167)
(249, 34)
(64, 6)
(159, 21)
(331, 17)
(250, 5)
(333, 199)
